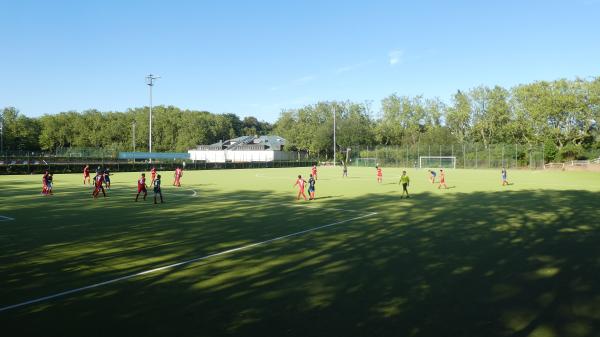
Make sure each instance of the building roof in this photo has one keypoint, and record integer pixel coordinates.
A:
(275, 143)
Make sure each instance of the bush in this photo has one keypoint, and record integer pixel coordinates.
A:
(571, 152)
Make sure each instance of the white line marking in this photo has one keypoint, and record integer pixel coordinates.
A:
(6, 218)
(178, 264)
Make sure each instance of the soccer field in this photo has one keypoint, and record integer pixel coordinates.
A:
(232, 252)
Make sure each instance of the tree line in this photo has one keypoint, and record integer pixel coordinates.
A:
(563, 115)
(173, 129)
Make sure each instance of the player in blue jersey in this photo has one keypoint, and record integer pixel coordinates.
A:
(311, 188)
(107, 178)
(504, 178)
(157, 190)
(432, 176)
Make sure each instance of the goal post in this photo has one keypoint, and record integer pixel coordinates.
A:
(437, 162)
(367, 162)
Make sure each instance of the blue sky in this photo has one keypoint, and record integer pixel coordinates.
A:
(258, 57)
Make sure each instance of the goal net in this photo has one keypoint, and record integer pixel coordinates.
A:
(437, 162)
(367, 162)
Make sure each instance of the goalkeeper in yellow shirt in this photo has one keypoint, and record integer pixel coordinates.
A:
(404, 181)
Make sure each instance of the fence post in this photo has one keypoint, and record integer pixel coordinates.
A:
(464, 156)
(516, 159)
(476, 156)
(543, 154)
(490, 156)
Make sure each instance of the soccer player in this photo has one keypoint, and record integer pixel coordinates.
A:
(314, 171)
(98, 180)
(432, 176)
(45, 183)
(142, 187)
(504, 179)
(300, 183)
(49, 183)
(86, 175)
(405, 181)
(107, 178)
(379, 174)
(178, 175)
(152, 175)
(157, 190)
(442, 180)
(345, 171)
(311, 188)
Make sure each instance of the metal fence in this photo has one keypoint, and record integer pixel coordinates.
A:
(27, 162)
(467, 155)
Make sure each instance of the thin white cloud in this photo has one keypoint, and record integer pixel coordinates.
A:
(298, 81)
(352, 67)
(304, 79)
(395, 57)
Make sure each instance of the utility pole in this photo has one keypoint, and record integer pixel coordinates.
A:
(150, 82)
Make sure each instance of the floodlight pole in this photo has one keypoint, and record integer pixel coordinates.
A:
(133, 137)
(150, 82)
(2, 135)
(133, 140)
(333, 105)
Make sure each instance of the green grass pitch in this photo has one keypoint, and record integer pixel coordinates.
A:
(477, 259)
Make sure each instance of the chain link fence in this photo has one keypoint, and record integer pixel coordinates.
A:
(471, 156)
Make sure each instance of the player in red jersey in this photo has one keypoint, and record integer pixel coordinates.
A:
(379, 174)
(86, 175)
(314, 171)
(98, 180)
(45, 183)
(178, 175)
(442, 180)
(141, 184)
(300, 183)
(152, 175)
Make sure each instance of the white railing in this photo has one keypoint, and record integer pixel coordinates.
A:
(555, 166)
(580, 162)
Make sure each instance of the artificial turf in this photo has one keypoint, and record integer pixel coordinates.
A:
(477, 259)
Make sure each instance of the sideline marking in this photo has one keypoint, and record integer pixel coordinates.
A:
(6, 218)
(178, 264)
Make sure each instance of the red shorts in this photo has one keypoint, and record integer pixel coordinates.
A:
(85, 175)
(142, 189)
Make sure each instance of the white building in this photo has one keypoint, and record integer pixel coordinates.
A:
(245, 149)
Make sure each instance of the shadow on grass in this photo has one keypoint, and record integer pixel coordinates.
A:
(516, 263)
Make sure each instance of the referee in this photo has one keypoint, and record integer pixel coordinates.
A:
(405, 181)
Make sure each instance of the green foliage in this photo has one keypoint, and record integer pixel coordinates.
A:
(571, 152)
(173, 129)
(561, 114)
